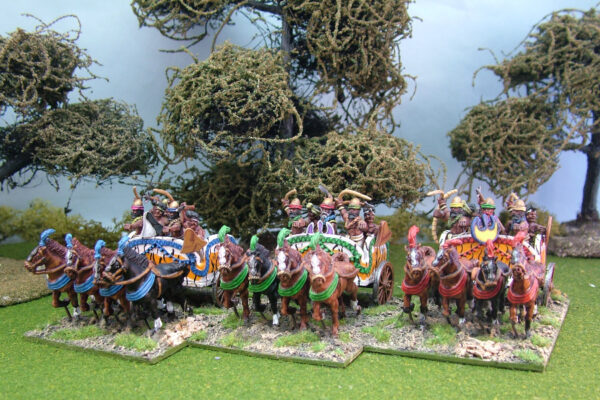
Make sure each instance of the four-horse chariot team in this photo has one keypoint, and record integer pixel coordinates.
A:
(323, 255)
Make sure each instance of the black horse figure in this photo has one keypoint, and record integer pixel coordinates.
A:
(145, 281)
(262, 277)
(490, 285)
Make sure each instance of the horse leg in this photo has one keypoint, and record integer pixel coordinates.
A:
(335, 323)
(317, 311)
(460, 308)
(273, 301)
(446, 308)
(529, 317)
(354, 299)
(407, 306)
(513, 319)
(423, 308)
(341, 307)
(154, 312)
(246, 307)
(257, 306)
(303, 312)
(83, 298)
(285, 301)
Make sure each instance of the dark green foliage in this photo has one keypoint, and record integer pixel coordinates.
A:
(29, 223)
(98, 140)
(549, 103)
(313, 106)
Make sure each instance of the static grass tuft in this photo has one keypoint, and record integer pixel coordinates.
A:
(379, 333)
(234, 339)
(549, 320)
(540, 341)
(318, 347)
(209, 311)
(344, 337)
(443, 335)
(84, 332)
(199, 336)
(297, 339)
(529, 356)
(134, 342)
(379, 309)
(232, 321)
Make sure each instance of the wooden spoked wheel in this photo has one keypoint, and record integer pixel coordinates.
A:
(383, 287)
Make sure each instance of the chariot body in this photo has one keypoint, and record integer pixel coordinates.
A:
(371, 259)
(203, 262)
(473, 246)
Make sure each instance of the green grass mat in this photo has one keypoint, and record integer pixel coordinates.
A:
(43, 371)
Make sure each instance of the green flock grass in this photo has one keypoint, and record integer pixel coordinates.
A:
(234, 339)
(529, 356)
(134, 342)
(210, 310)
(27, 367)
(199, 336)
(232, 321)
(540, 341)
(318, 347)
(84, 332)
(444, 334)
(297, 339)
(379, 333)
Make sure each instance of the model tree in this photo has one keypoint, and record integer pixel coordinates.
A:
(91, 139)
(549, 103)
(313, 105)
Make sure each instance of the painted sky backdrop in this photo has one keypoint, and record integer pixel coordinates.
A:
(442, 54)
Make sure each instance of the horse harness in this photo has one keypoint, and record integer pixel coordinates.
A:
(150, 268)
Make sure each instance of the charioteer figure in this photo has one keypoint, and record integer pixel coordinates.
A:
(293, 209)
(174, 226)
(369, 214)
(487, 208)
(355, 225)
(457, 216)
(137, 214)
(518, 220)
(534, 227)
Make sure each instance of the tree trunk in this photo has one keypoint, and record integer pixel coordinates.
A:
(286, 46)
(589, 209)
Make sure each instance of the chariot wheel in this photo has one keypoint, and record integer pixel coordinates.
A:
(383, 287)
(548, 284)
(217, 292)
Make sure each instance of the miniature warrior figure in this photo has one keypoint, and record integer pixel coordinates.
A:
(192, 221)
(458, 217)
(327, 215)
(369, 213)
(173, 227)
(313, 213)
(534, 227)
(518, 221)
(355, 225)
(137, 214)
(487, 207)
(293, 209)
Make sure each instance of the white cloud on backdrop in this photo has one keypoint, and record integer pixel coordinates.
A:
(442, 54)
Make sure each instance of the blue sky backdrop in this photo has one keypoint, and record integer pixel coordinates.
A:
(443, 55)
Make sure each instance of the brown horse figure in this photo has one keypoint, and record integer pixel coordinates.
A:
(293, 282)
(418, 281)
(330, 276)
(453, 272)
(489, 286)
(51, 255)
(110, 293)
(527, 275)
(231, 264)
(80, 268)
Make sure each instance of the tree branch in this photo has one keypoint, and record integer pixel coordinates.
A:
(11, 167)
(257, 5)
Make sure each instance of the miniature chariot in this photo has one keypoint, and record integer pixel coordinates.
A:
(371, 259)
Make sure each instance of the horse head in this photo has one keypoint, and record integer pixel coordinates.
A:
(317, 262)
(48, 253)
(71, 258)
(229, 254)
(447, 258)
(258, 260)
(119, 264)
